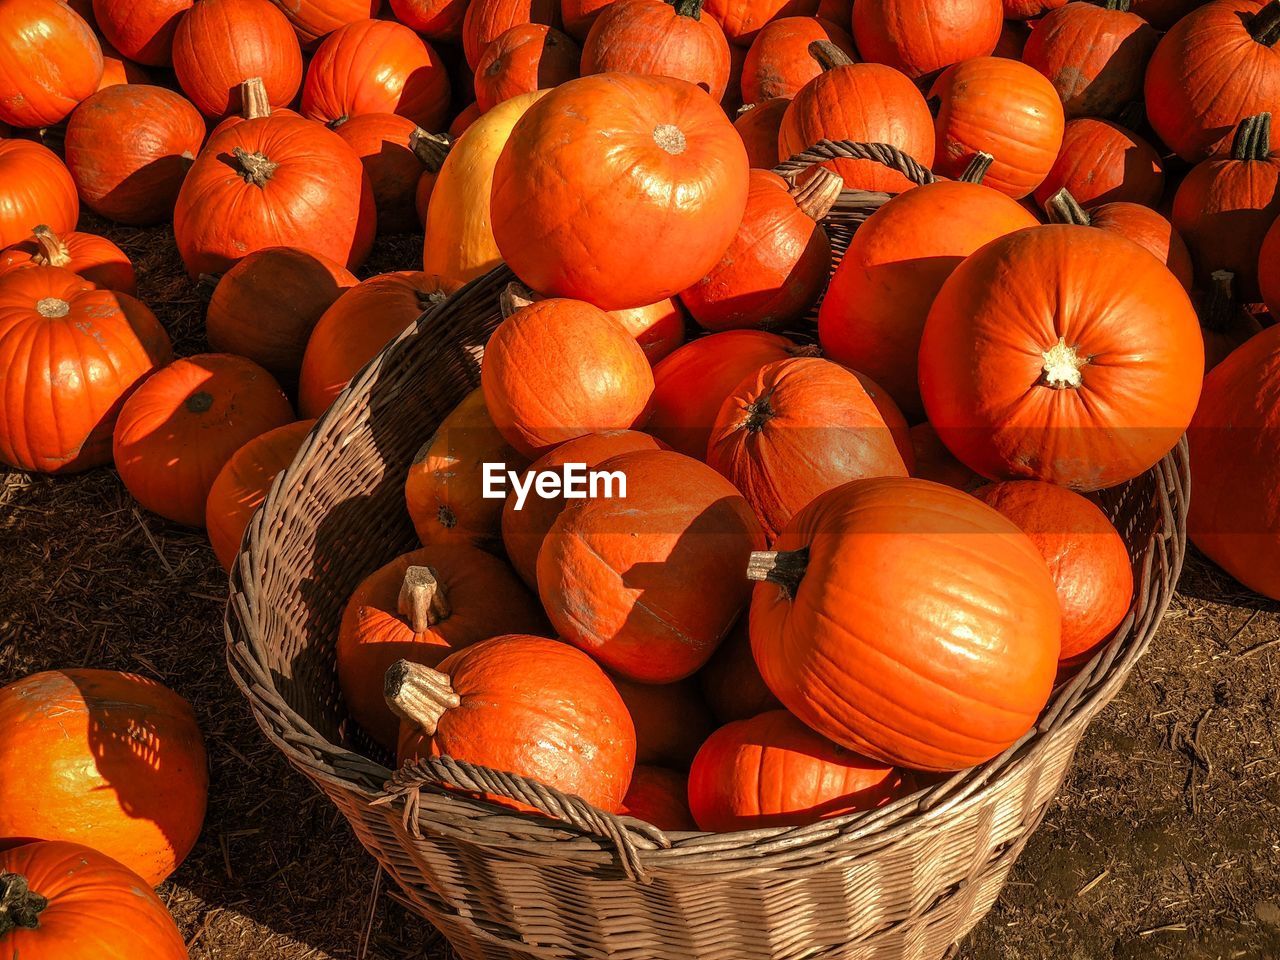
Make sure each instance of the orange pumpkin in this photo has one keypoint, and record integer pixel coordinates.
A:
(778, 63)
(116, 70)
(528, 57)
(487, 20)
(394, 153)
(465, 118)
(1224, 322)
(920, 37)
(95, 258)
(315, 19)
(578, 16)
(35, 188)
(439, 20)
(658, 327)
(660, 797)
(50, 60)
(142, 30)
(1102, 162)
(743, 19)
(731, 681)
(933, 461)
(758, 126)
(671, 721)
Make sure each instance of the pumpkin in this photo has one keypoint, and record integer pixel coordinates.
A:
(658, 327)
(50, 60)
(111, 760)
(95, 258)
(35, 188)
(524, 530)
(1225, 206)
(376, 66)
(458, 245)
(1268, 269)
(267, 304)
(731, 681)
(1102, 162)
(385, 144)
(1001, 107)
(758, 124)
(528, 57)
(487, 20)
(1216, 66)
(1084, 372)
(278, 181)
(778, 63)
(661, 797)
(732, 98)
(839, 12)
(1235, 514)
(933, 461)
(874, 311)
(362, 321)
(177, 431)
(865, 103)
(1224, 323)
(116, 70)
(128, 149)
(650, 158)
(439, 20)
(254, 105)
(920, 37)
(743, 19)
(668, 39)
(431, 149)
(577, 16)
(1163, 14)
(141, 30)
(422, 607)
(1013, 40)
(771, 770)
(778, 262)
(71, 354)
(527, 705)
(315, 19)
(614, 573)
(558, 369)
(1029, 9)
(445, 488)
(671, 721)
(1094, 54)
(692, 384)
(66, 901)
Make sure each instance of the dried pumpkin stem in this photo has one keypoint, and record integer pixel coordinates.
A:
(423, 600)
(1121, 5)
(430, 148)
(254, 103)
(52, 308)
(1062, 367)
(515, 296)
(1264, 26)
(418, 694)
(818, 194)
(254, 167)
(688, 8)
(786, 568)
(1253, 138)
(977, 169)
(53, 252)
(829, 56)
(431, 298)
(744, 109)
(1062, 207)
(20, 906)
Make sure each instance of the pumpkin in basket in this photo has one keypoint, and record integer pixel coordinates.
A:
(528, 57)
(757, 125)
(50, 60)
(657, 327)
(521, 704)
(659, 796)
(111, 760)
(731, 681)
(95, 258)
(907, 621)
(35, 188)
(778, 63)
(1102, 162)
(671, 720)
(920, 37)
(487, 20)
(422, 607)
(771, 770)
(141, 30)
(651, 161)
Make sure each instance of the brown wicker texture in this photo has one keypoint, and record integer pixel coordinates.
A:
(904, 882)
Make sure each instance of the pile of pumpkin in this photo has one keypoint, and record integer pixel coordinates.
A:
(838, 570)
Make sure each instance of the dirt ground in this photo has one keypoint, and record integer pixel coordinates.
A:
(1165, 842)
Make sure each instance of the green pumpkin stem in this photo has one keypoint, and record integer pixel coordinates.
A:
(430, 148)
(1264, 26)
(254, 103)
(786, 568)
(20, 906)
(688, 8)
(1121, 5)
(1062, 207)
(423, 601)
(977, 169)
(818, 194)
(255, 168)
(829, 56)
(53, 252)
(1253, 138)
(418, 694)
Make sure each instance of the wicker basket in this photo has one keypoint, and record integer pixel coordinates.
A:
(904, 881)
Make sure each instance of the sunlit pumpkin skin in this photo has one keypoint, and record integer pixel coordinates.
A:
(1085, 376)
(772, 771)
(933, 461)
(111, 760)
(141, 30)
(657, 327)
(384, 144)
(487, 20)
(865, 103)
(874, 311)
(439, 20)
(778, 63)
(71, 354)
(920, 37)
(1235, 517)
(559, 369)
(177, 430)
(538, 708)
(468, 596)
(577, 16)
(376, 66)
(35, 188)
(266, 306)
(117, 70)
(278, 181)
(741, 20)
(758, 127)
(671, 720)
(528, 57)
(1225, 206)
(444, 491)
(128, 149)
(661, 797)
(315, 19)
(1029, 9)
(1102, 162)
(731, 681)
(614, 574)
(362, 321)
(1269, 270)
(95, 258)
(242, 485)
(78, 904)
(1135, 222)
(1208, 73)
(50, 60)
(1085, 555)
(524, 530)
(653, 159)
(664, 39)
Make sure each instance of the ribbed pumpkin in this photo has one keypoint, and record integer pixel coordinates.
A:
(731, 681)
(1084, 373)
(385, 144)
(526, 705)
(111, 760)
(177, 431)
(50, 60)
(865, 103)
(528, 57)
(487, 20)
(661, 797)
(439, 20)
(920, 37)
(376, 66)
(141, 30)
(1029, 9)
(357, 326)
(70, 354)
(272, 182)
(778, 63)
(671, 721)
(1102, 162)
(117, 70)
(35, 188)
(658, 327)
(315, 19)
(1001, 107)
(577, 16)
(422, 607)
(95, 258)
(650, 158)
(1224, 207)
(758, 125)
(1216, 66)
(772, 771)
(614, 573)
(933, 461)
(742, 19)
(66, 901)
(667, 39)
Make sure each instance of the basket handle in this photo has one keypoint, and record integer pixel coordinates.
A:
(885, 153)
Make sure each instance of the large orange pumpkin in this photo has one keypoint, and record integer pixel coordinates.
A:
(1102, 162)
(439, 20)
(50, 60)
(743, 19)
(577, 16)
(87, 255)
(528, 57)
(487, 20)
(111, 760)
(387, 145)
(758, 125)
(651, 159)
(141, 30)
(731, 681)
(920, 37)
(778, 63)
(661, 797)
(671, 720)
(314, 20)
(35, 188)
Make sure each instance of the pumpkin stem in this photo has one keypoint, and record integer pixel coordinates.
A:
(1062, 366)
(429, 298)
(1264, 26)
(1216, 315)
(670, 138)
(53, 252)
(430, 148)
(336, 122)
(745, 108)
(1062, 207)
(817, 195)
(254, 103)
(687, 8)
(20, 906)
(786, 568)
(199, 402)
(1253, 138)
(977, 169)
(1121, 5)
(804, 350)
(418, 694)
(829, 56)
(515, 296)
(254, 167)
(52, 308)
(759, 412)
(423, 601)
